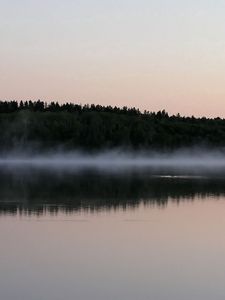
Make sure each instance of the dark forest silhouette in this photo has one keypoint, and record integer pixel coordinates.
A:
(96, 127)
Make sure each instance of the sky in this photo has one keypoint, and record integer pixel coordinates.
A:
(164, 54)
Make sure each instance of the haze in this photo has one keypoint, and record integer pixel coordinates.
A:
(193, 161)
(150, 54)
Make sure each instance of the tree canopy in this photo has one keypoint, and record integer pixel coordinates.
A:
(95, 127)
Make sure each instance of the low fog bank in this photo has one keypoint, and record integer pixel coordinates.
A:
(193, 160)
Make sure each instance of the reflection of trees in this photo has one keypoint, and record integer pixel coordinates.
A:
(40, 192)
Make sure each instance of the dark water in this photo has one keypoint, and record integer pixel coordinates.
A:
(93, 235)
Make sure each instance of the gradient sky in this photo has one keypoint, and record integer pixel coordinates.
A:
(164, 54)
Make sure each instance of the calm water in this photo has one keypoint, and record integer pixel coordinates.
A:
(111, 236)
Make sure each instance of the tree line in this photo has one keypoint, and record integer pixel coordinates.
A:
(95, 127)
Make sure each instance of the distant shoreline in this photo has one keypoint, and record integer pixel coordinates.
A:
(42, 127)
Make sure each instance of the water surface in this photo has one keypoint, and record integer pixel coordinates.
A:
(92, 235)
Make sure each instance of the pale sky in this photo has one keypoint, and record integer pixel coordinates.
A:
(161, 54)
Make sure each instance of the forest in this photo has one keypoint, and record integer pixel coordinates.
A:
(48, 126)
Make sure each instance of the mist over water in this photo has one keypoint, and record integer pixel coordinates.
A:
(75, 181)
(194, 161)
(130, 216)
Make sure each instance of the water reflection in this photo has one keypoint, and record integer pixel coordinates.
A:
(39, 192)
(125, 248)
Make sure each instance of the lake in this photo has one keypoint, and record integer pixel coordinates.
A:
(93, 235)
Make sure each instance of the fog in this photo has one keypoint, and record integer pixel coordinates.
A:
(191, 160)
